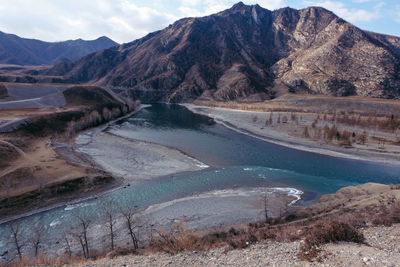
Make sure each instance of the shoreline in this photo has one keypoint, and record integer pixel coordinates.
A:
(84, 159)
(296, 142)
(117, 184)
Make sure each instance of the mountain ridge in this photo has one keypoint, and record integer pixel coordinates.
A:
(24, 51)
(249, 53)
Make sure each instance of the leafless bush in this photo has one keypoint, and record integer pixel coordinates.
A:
(387, 213)
(108, 208)
(327, 232)
(174, 240)
(17, 237)
(81, 233)
(306, 134)
(345, 138)
(362, 138)
(37, 233)
(131, 223)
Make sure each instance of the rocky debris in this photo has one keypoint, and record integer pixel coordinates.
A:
(247, 50)
(381, 249)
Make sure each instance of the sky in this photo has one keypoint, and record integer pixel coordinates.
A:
(127, 20)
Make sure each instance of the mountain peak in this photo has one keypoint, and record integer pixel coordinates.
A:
(247, 51)
(238, 5)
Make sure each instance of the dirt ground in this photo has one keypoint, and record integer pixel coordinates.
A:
(37, 162)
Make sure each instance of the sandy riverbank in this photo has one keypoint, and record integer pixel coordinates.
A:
(243, 122)
(134, 160)
(228, 207)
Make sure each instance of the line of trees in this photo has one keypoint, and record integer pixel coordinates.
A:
(29, 238)
(328, 131)
(98, 116)
(390, 123)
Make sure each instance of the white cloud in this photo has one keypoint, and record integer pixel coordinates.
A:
(353, 15)
(127, 20)
(55, 20)
(196, 8)
(362, 1)
(269, 4)
(121, 20)
(397, 14)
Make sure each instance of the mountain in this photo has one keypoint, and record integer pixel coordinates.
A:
(21, 51)
(249, 53)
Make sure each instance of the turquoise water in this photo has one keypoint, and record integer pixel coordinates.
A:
(235, 161)
(215, 145)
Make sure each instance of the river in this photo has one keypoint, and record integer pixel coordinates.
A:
(235, 161)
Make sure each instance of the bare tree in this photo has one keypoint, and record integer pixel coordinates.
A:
(108, 209)
(36, 237)
(82, 234)
(79, 237)
(265, 200)
(128, 214)
(306, 134)
(17, 238)
(68, 250)
(270, 120)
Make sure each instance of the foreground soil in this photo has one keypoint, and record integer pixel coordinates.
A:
(381, 249)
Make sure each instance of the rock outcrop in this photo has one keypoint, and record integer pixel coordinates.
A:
(246, 51)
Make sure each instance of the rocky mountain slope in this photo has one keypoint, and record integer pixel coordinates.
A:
(248, 51)
(21, 51)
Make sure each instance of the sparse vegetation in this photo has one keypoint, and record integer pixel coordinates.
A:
(315, 231)
(327, 232)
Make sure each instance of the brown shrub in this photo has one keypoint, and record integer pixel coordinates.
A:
(395, 186)
(362, 138)
(388, 213)
(175, 240)
(327, 232)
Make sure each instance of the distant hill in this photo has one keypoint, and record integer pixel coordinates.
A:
(247, 51)
(21, 51)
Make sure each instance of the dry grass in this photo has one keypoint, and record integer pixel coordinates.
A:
(43, 260)
(315, 231)
(327, 232)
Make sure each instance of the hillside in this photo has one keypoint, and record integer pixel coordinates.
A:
(247, 53)
(22, 51)
(369, 212)
(38, 168)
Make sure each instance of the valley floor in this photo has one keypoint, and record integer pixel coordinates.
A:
(288, 122)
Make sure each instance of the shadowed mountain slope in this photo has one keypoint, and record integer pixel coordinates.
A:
(248, 53)
(21, 51)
